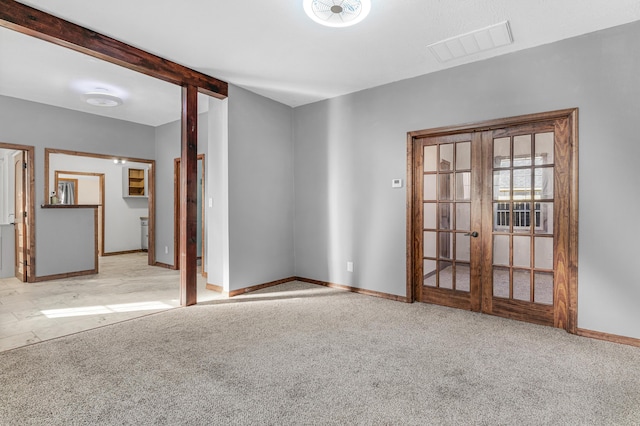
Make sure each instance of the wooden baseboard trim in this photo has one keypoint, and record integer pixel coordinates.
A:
(260, 286)
(164, 265)
(233, 293)
(355, 290)
(116, 253)
(65, 275)
(608, 337)
(216, 288)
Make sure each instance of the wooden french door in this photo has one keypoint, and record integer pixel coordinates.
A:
(450, 212)
(494, 213)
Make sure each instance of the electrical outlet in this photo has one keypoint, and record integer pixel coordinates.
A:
(349, 266)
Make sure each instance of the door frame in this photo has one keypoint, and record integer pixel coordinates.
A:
(151, 254)
(30, 223)
(571, 261)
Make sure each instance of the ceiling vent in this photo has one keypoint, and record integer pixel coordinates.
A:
(476, 41)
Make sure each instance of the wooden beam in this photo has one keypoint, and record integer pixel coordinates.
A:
(189, 197)
(33, 22)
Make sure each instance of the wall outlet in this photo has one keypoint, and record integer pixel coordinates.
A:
(349, 266)
(166, 250)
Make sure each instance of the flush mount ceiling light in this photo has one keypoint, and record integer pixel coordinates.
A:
(102, 98)
(337, 13)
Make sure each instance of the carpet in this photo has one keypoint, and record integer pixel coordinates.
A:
(303, 354)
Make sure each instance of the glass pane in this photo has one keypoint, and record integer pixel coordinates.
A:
(445, 215)
(429, 187)
(501, 282)
(522, 251)
(445, 275)
(429, 272)
(502, 185)
(463, 216)
(544, 218)
(429, 216)
(463, 277)
(430, 158)
(544, 148)
(544, 183)
(446, 186)
(446, 157)
(522, 184)
(543, 288)
(522, 285)
(463, 186)
(463, 155)
(445, 250)
(501, 217)
(429, 244)
(463, 247)
(522, 150)
(521, 217)
(502, 152)
(501, 250)
(543, 252)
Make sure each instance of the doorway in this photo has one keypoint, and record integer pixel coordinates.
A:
(96, 170)
(17, 212)
(493, 217)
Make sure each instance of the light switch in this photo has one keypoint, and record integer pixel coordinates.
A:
(396, 183)
(210, 202)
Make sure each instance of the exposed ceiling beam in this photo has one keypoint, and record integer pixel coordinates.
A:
(33, 22)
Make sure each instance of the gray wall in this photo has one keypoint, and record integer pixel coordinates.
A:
(348, 149)
(29, 123)
(70, 242)
(260, 191)
(217, 213)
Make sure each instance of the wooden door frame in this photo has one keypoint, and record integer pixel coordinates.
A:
(30, 223)
(571, 261)
(102, 198)
(176, 212)
(151, 254)
(18, 159)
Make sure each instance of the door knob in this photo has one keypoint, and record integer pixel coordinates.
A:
(473, 234)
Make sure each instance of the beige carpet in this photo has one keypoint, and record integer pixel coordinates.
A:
(302, 354)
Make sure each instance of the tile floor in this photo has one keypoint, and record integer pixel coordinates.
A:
(125, 288)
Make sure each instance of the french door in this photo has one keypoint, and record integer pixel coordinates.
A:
(494, 217)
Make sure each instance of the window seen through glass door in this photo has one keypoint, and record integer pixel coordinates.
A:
(523, 201)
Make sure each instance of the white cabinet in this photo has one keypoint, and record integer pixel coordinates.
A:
(144, 233)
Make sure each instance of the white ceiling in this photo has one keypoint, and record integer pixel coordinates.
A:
(272, 48)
